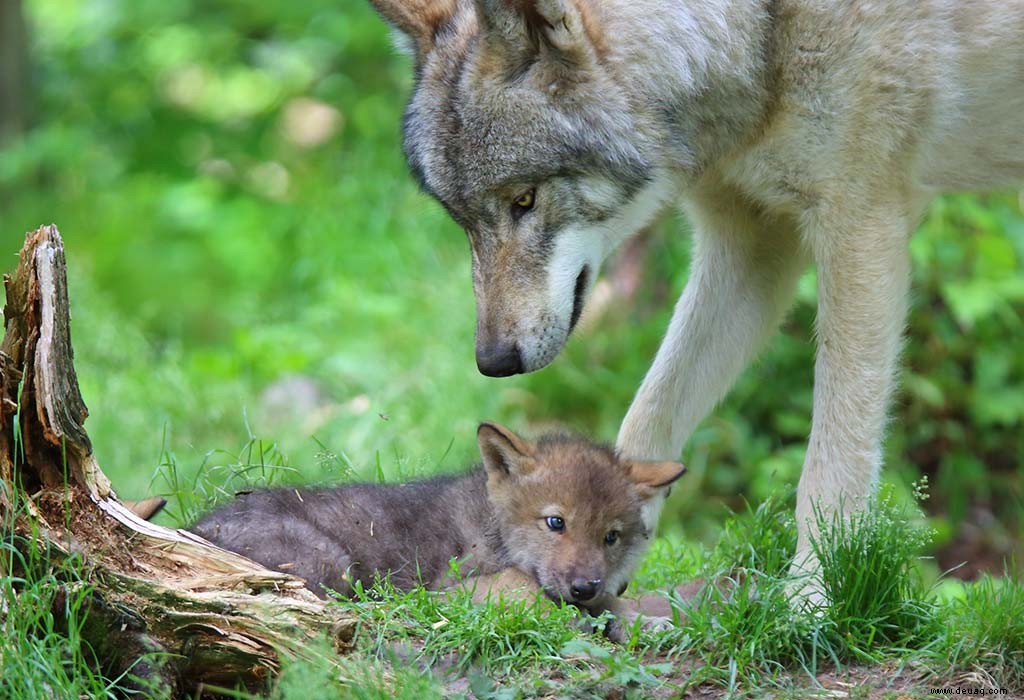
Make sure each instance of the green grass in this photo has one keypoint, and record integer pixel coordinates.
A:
(984, 634)
(359, 679)
(874, 583)
(505, 648)
(44, 601)
(41, 654)
(495, 638)
(746, 631)
(741, 633)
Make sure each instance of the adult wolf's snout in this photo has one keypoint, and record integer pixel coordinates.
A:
(498, 359)
(523, 320)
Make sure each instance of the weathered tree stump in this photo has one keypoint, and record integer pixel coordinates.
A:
(218, 617)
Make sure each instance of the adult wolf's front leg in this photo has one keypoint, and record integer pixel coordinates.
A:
(863, 278)
(742, 280)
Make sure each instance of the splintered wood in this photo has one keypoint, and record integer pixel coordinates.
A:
(193, 613)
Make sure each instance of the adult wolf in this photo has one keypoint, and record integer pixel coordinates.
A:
(791, 131)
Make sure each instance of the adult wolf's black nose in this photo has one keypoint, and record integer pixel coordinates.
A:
(500, 360)
(583, 589)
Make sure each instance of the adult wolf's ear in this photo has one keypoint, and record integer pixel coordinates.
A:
(504, 453)
(544, 26)
(651, 477)
(419, 20)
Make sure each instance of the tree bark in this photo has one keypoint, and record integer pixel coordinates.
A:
(220, 617)
(13, 70)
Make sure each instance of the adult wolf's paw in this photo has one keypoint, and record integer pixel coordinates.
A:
(805, 590)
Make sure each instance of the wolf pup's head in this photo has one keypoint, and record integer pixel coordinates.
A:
(517, 128)
(569, 511)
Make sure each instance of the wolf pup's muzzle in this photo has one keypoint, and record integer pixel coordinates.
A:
(583, 589)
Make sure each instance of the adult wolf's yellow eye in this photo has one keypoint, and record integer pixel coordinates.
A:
(525, 200)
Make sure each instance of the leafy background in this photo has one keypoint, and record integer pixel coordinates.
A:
(256, 282)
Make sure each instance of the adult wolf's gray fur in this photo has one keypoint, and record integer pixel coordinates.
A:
(791, 131)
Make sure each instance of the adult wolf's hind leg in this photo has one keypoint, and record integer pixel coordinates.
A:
(863, 279)
(742, 281)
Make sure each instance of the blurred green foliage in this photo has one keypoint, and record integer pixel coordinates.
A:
(228, 179)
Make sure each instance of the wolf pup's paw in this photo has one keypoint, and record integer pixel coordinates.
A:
(621, 629)
(617, 630)
(650, 623)
(591, 623)
(601, 622)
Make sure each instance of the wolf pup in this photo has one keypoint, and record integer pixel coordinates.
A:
(792, 131)
(561, 514)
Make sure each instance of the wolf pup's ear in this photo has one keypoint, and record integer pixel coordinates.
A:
(504, 453)
(146, 508)
(419, 20)
(650, 477)
(557, 25)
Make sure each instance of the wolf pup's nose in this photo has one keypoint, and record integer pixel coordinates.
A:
(582, 589)
(499, 360)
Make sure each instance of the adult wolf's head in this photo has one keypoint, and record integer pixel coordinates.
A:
(570, 512)
(517, 127)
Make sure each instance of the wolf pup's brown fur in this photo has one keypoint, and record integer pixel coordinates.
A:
(561, 514)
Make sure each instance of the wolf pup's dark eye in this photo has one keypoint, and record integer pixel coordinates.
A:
(555, 523)
(523, 203)
(612, 537)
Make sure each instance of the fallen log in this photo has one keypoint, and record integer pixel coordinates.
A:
(196, 614)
